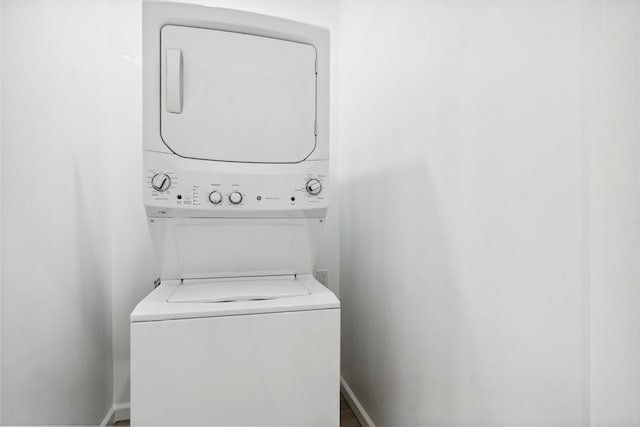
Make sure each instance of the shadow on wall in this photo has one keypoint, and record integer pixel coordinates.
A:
(94, 286)
(400, 293)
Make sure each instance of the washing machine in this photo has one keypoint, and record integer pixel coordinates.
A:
(237, 332)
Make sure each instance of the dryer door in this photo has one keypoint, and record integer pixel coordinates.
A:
(237, 97)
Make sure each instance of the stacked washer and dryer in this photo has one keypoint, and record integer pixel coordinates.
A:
(236, 163)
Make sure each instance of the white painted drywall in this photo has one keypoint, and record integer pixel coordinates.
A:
(1, 14)
(488, 173)
(133, 266)
(490, 165)
(56, 299)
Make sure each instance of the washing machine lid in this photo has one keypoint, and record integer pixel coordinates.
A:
(237, 97)
(173, 300)
(237, 289)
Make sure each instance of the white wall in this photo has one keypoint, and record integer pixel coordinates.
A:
(490, 209)
(133, 266)
(56, 301)
(488, 168)
(1, 14)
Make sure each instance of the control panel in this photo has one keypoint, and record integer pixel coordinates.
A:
(216, 189)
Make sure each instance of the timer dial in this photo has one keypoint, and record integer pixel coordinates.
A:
(215, 197)
(161, 182)
(314, 186)
(235, 198)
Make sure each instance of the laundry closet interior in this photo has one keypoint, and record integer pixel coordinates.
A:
(288, 212)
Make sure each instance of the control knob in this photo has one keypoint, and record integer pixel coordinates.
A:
(161, 182)
(235, 198)
(215, 197)
(314, 186)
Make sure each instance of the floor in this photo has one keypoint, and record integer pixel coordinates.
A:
(347, 417)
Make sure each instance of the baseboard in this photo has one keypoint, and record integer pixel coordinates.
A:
(118, 412)
(108, 419)
(122, 411)
(355, 405)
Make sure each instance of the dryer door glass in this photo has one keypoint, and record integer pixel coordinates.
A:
(237, 97)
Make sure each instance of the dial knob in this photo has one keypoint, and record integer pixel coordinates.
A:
(235, 198)
(161, 182)
(215, 197)
(314, 186)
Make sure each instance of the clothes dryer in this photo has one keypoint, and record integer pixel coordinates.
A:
(236, 189)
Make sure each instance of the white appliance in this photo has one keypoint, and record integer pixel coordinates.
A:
(236, 162)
